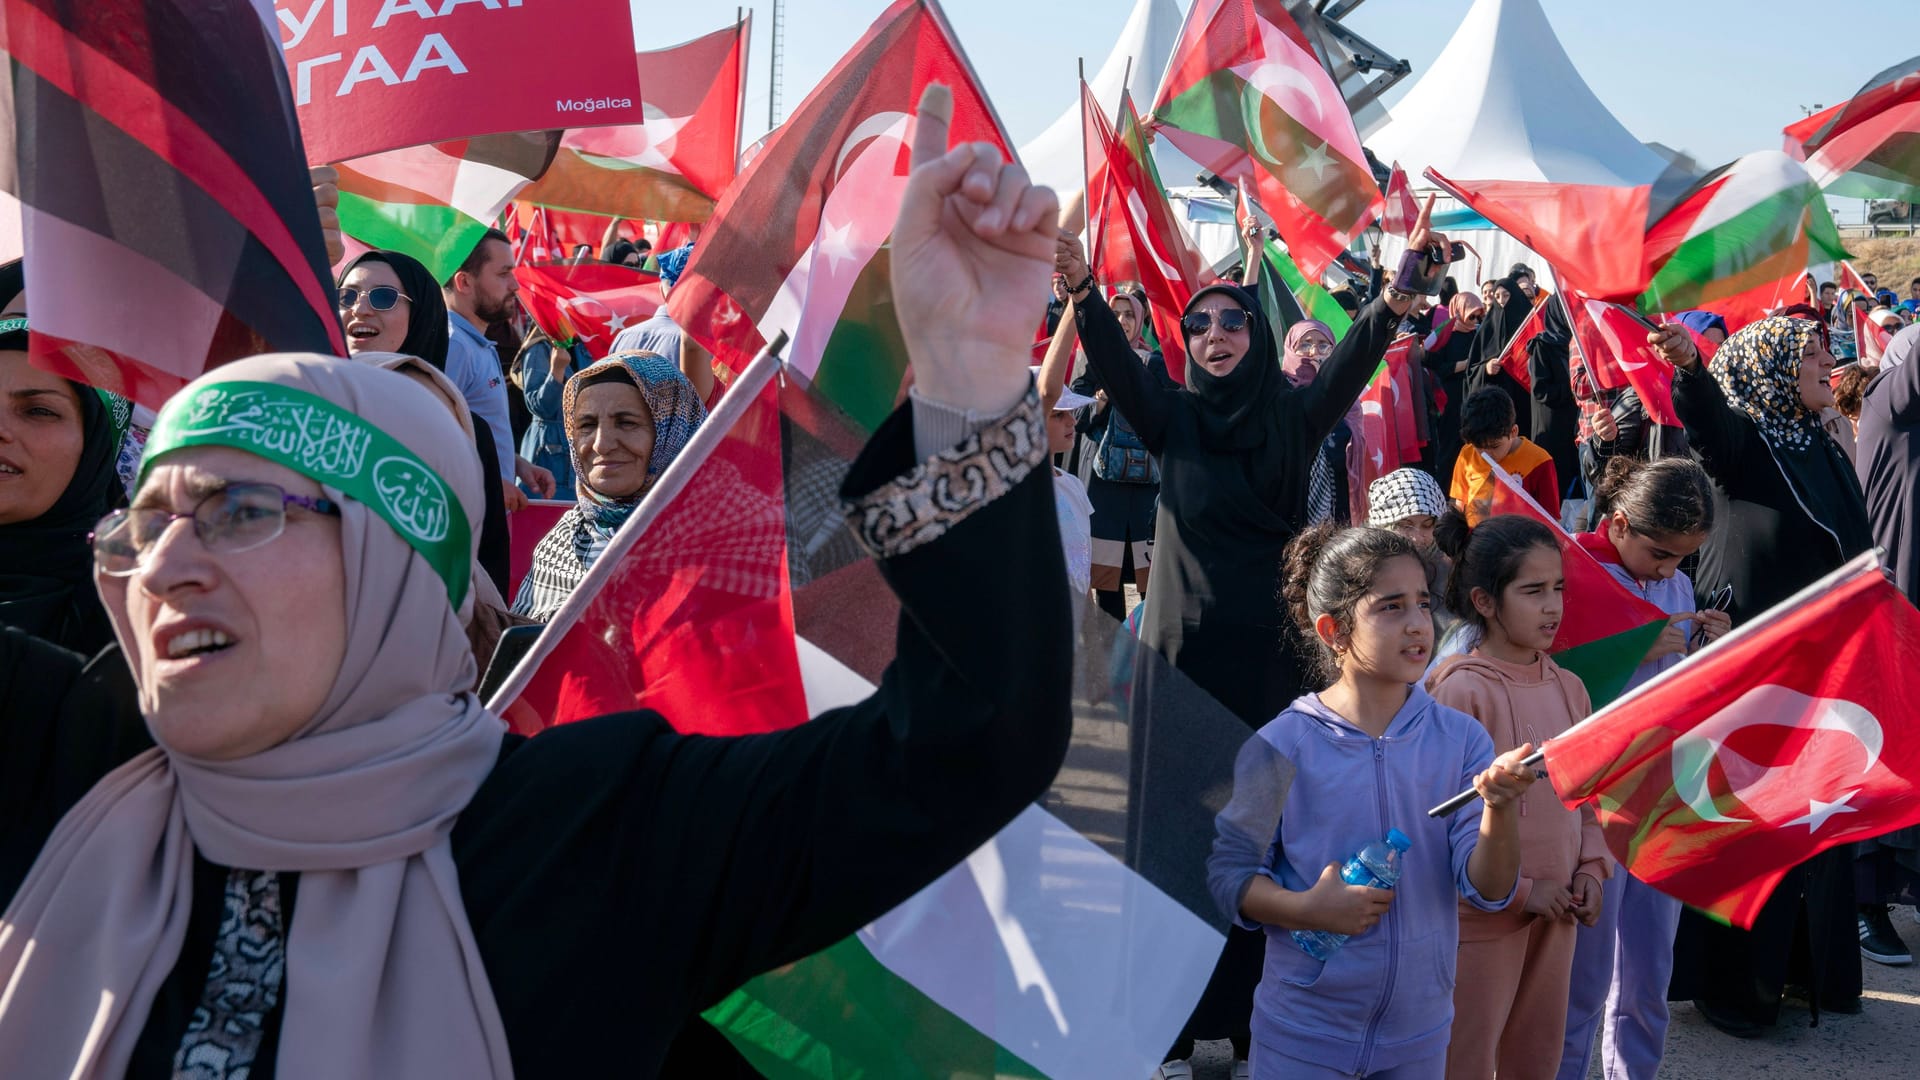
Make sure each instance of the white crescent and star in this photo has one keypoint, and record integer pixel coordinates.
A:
(1768, 705)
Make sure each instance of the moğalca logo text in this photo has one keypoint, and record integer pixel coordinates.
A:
(592, 105)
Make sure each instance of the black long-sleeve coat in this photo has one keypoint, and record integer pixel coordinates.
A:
(1556, 414)
(1213, 603)
(1767, 543)
(619, 877)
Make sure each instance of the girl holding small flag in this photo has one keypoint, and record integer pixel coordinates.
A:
(1376, 742)
(1656, 514)
(1510, 1002)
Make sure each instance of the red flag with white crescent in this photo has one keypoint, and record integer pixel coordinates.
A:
(1782, 740)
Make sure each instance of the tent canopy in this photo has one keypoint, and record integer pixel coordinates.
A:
(1056, 157)
(1503, 102)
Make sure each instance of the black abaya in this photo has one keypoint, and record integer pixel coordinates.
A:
(1213, 603)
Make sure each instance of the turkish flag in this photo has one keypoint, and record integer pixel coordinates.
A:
(798, 241)
(591, 300)
(1513, 359)
(1784, 739)
(1594, 235)
(1388, 434)
(1135, 208)
(1613, 342)
(689, 611)
(1402, 211)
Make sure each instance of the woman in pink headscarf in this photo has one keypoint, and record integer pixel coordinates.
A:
(335, 862)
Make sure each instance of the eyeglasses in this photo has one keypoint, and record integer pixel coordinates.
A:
(1232, 320)
(1314, 348)
(379, 298)
(238, 517)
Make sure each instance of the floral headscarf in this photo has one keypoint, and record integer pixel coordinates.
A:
(1758, 369)
(563, 556)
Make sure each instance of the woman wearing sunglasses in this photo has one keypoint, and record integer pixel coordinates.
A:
(337, 863)
(389, 303)
(1236, 446)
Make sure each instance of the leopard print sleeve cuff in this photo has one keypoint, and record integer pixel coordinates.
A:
(920, 506)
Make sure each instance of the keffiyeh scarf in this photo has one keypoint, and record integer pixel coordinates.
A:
(563, 557)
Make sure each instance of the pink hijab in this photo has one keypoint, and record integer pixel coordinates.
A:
(1298, 368)
(382, 973)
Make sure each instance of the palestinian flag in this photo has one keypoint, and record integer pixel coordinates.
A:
(1134, 206)
(1783, 739)
(589, 301)
(1605, 631)
(1592, 234)
(171, 227)
(1513, 358)
(1752, 223)
(799, 240)
(1868, 146)
(673, 166)
(1612, 340)
(1314, 300)
(435, 202)
(1074, 944)
(1245, 95)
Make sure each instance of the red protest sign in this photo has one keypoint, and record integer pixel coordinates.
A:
(371, 77)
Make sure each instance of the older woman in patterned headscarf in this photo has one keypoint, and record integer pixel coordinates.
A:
(627, 418)
(1791, 511)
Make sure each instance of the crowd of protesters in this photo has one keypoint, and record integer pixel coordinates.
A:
(203, 725)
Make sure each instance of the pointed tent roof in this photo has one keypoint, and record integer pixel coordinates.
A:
(1056, 157)
(1504, 102)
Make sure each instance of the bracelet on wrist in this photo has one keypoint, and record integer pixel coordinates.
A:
(1085, 284)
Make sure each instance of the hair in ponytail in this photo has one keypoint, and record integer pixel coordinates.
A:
(1326, 571)
(1486, 556)
(1669, 497)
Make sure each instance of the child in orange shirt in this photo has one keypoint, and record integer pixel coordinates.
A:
(1492, 436)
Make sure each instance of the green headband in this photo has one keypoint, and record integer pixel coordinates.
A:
(318, 439)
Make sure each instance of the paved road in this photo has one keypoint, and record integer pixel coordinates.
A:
(1882, 1043)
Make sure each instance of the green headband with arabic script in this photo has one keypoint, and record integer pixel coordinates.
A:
(321, 441)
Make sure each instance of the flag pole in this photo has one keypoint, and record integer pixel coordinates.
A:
(1852, 568)
(718, 425)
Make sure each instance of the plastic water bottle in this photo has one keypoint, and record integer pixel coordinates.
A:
(1377, 866)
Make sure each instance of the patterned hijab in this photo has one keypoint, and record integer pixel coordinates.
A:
(1758, 369)
(563, 557)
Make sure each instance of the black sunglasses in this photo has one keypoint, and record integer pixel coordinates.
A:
(379, 298)
(1232, 320)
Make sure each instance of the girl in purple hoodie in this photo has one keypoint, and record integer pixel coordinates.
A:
(1329, 775)
(1649, 517)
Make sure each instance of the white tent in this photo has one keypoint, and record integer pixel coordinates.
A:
(1503, 102)
(1056, 158)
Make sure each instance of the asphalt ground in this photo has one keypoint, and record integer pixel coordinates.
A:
(1882, 1043)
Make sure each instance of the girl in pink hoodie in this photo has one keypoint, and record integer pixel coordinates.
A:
(1510, 999)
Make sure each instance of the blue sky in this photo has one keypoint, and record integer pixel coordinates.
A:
(1717, 78)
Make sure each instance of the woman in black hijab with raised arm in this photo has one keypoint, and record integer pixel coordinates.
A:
(1236, 447)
